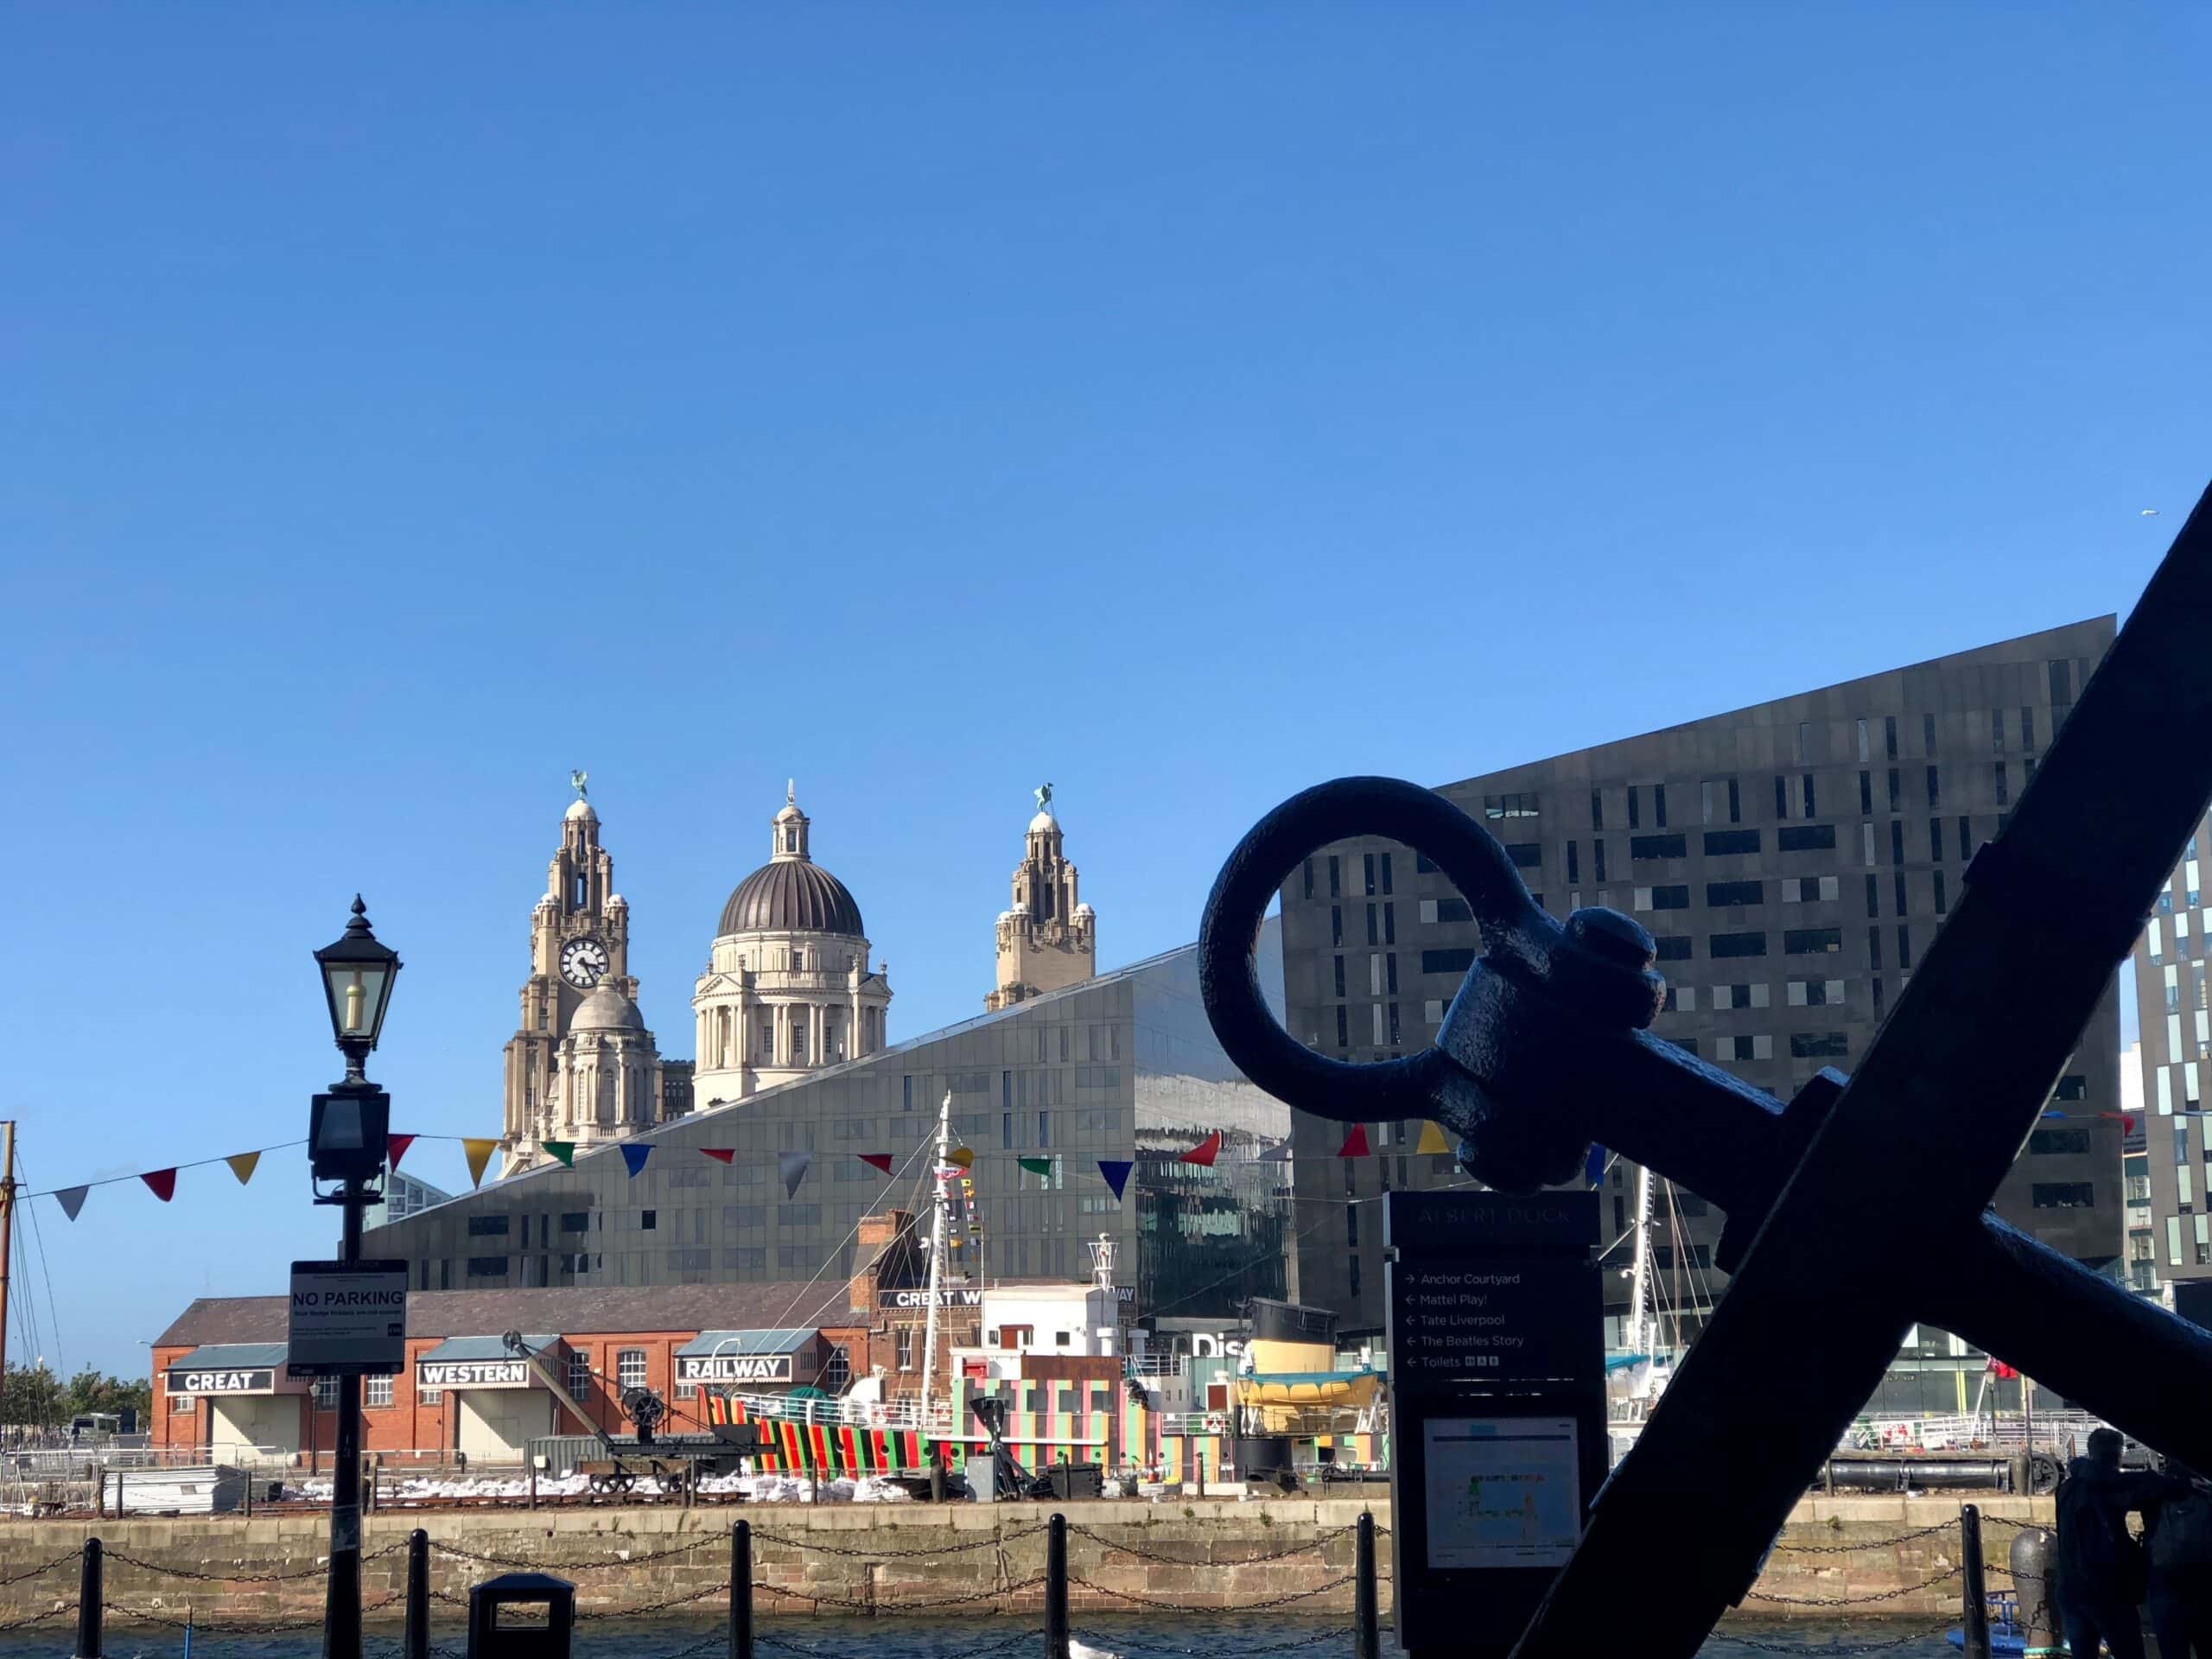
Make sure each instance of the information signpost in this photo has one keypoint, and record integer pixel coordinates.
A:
(1497, 1408)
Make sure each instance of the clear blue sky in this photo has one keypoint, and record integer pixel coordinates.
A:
(400, 405)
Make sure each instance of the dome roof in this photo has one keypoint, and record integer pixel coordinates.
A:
(607, 1009)
(1043, 820)
(581, 808)
(791, 895)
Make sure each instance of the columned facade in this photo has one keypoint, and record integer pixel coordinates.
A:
(788, 987)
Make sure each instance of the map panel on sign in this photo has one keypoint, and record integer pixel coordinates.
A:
(1502, 1491)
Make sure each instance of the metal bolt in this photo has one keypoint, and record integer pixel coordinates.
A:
(1609, 934)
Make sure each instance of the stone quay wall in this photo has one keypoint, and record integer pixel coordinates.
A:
(1839, 1558)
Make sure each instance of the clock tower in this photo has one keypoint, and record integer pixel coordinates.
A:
(579, 943)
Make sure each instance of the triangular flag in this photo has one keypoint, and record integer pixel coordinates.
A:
(875, 1159)
(564, 1150)
(721, 1154)
(1432, 1139)
(1036, 1166)
(161, 1182)
(635, 1156)
(1355, 1144)
(1275, 1154)
(242, 1165)
(794, 1166)
(395, 1149)
(478, 1150)
(962, 1156)
(1204, 1151)
(1594, 1167)
(1116, 1172)
(72, 1199)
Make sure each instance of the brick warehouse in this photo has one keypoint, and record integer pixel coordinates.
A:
(220, 1382)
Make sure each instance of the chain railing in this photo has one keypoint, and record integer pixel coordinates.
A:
(738, 1591)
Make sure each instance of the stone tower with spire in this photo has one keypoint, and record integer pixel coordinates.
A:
(1049, 939)
(579, 986)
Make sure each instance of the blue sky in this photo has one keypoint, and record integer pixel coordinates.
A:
(401, 405)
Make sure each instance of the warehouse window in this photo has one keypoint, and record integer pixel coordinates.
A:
(630, 1368)
(376, 1391)
(579, 1373)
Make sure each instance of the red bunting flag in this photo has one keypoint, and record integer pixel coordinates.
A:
(1355, 1144)
(161, 1182)
(2126, 1121)
(396, 1149)
(721, 1154)
(1204, 1151)
(875, 1159)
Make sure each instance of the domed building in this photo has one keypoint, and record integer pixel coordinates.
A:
(609, 1084)
(788, 989)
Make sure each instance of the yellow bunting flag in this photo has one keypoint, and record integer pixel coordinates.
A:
(1433, 1138)
(242, 1165)
(478, 1152)
(961, 1156)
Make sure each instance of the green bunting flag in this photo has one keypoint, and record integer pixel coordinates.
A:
(1036, 1165)
(564, 1150)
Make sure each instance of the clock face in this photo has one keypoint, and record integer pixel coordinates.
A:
(583, 961)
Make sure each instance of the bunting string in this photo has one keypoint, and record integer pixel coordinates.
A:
(793, 1165)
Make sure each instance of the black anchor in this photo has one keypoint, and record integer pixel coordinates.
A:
(1856, 1210)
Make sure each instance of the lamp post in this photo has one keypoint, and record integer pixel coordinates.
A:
(347, 1127)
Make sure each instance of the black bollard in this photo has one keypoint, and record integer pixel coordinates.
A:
(1056, 1588)
(90, 1598)
(1366, 1608)
(415, 1643)
(741, 1591)
(1976, 1629)
(936, 1472)
(2034, 1583)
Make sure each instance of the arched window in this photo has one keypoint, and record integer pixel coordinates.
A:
(790, 840)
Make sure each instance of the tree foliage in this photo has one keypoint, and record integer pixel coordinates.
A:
(32, 1397)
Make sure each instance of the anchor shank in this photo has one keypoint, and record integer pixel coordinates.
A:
(2121, 1356)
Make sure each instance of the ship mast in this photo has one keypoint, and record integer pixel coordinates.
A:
(1640, 1332)
(937, 1251)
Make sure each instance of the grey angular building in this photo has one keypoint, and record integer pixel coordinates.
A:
(1793, 860)
(1120, 1067)
(2170, 1235)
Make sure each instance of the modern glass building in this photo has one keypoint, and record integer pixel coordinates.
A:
(1120, 1068)
(1793, 859)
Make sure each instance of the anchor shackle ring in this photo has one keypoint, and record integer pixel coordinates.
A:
(1598, 964)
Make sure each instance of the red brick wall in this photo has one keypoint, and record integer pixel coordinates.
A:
(411, 1425)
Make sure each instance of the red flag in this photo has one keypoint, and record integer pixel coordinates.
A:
(1204, 1151)
(723, 1153)
(162, 1182)
(875, 1159)
(1355, 1144)
(395, 1149)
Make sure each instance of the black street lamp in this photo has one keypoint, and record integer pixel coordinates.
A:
(347, 1126)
